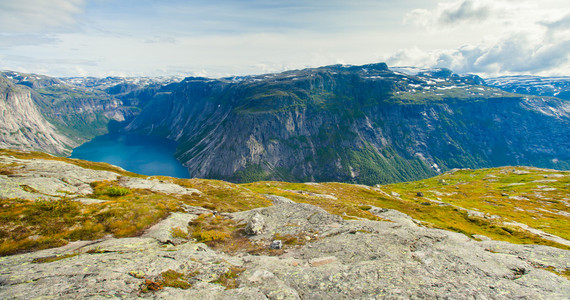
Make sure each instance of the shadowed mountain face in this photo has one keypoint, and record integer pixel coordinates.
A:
(363, 124)
(354, 124)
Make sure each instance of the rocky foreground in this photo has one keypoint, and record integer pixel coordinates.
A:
(287, 250)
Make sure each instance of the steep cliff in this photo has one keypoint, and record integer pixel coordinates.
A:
(54, 116)
(23, 126)
(362, 124)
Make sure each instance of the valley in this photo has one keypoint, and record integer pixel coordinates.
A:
(357, 124)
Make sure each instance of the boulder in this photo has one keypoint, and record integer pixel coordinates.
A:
(255, 224)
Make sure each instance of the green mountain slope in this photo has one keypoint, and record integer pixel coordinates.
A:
(360, 124)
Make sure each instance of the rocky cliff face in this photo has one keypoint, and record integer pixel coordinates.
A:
(54, 116)
(23, 125)
(362, 124)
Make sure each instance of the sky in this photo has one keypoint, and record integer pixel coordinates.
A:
(217, 38)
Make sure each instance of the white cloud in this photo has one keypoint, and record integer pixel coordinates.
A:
(32, 16)
(452, 13)
(514, 37)
(516, 54)
(227, 37)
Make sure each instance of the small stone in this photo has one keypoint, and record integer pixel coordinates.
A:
(322, 261)
(420, 194)
(394, 194)
(276, 244)
(255, 224)
(260, 276)
(425, 203)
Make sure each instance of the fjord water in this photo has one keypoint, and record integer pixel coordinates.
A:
(147, 155)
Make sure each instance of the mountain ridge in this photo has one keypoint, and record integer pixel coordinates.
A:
(313, 113)
(365, 124)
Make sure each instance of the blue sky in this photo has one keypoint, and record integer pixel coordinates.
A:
(222, 38)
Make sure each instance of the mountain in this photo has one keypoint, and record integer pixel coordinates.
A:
(363, 124)
(74, 229)
(23, 125)
(533, 85)
(54, 115)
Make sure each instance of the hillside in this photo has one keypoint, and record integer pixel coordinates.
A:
(356, 124)
(359, 124)
(162, 237)
(53, 115)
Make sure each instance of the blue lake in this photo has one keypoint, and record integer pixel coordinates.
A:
(147, 155)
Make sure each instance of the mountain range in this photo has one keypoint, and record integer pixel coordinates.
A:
(361, 124)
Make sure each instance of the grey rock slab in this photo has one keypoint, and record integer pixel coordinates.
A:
(359, 259)
(279, 199)
(287, 217)
(48, 179)
(162, 231)
(61, 170)
(157, 185)
(255, 224)
(10, 188)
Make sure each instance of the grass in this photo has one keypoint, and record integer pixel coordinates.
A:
(229, 278)
(175, 279)
(177, 232)
(48, 259)
(168, 278)
(117, 191)
(535, 197)
(33, 225)
(224, 234)
(215, 231)
(477, 190)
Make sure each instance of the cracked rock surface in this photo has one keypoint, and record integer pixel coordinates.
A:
(341, 260)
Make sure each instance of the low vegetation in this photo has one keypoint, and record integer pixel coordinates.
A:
(229, 278)
(224, 234)
(473, 202)
(488, 202)
(27, 225)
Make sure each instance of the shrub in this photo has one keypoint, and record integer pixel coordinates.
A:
(177, 232)
(151, 286)
(42, 260)
(228, 279)
(210, 235)
(175, 279)
(117, 191)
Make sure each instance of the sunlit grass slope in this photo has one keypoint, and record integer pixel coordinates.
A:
(474, 202)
